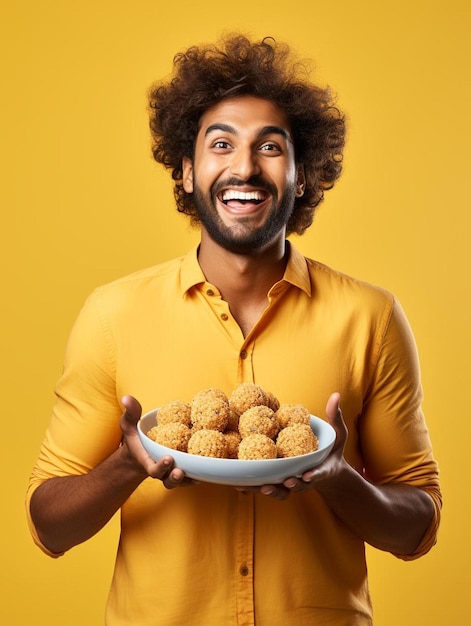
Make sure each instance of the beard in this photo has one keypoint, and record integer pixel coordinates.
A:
(244, 238)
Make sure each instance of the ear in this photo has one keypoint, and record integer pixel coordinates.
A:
(187, 179)
(300, 181)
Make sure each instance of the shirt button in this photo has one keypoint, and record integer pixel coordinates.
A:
(244, 570)
(224, 316)
(243, 354)
(210, 292)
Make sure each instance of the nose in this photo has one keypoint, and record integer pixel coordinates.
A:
(244, 163)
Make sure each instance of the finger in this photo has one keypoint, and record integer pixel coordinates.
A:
(295, 484)
(333, 407)
(133, 409)
(277, 492)
(156, 469)
(335, 419)
(130, 417)
(175, 478)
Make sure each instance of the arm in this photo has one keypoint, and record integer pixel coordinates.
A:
(68, 510)
(392, 517)
(393, 499)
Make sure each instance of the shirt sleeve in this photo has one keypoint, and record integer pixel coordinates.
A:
(394, 438)
(84, 425)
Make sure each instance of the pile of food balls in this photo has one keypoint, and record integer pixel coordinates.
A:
(249, 424)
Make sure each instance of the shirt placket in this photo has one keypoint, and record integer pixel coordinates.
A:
(245, 346)
(243, 529)
(244, 561)
(221, 310)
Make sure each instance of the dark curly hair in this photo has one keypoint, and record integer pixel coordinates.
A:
(203, 76)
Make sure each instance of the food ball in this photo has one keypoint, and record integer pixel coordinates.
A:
(295, 440)
(257, 447)
(233, 420)
(258, 419)
(289, 414)
(233, 440)
(207, 442)
(175, 411)
(245, 396)
(210, 410)
(272, 401)
(173, 435)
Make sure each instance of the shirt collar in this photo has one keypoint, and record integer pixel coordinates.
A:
(296, 272)
(191, 272)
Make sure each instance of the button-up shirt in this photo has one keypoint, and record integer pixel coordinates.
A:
(208, 554)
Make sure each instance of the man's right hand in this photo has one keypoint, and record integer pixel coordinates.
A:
(67, 510)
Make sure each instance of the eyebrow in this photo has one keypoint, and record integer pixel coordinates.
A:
(265, 131)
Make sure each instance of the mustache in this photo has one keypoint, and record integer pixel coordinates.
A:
(253, 181)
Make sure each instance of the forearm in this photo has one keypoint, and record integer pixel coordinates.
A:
(69, 510)
(391, 517)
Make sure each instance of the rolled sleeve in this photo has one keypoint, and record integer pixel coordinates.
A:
(394, 436)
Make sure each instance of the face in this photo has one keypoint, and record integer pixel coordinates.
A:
(244, 178)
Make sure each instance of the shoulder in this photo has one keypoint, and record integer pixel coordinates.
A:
(142, 277)
(343, 288)
(363, 308)
(136, 291)
(141, 280)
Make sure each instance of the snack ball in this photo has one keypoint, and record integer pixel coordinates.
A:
(233, 420)
(175, 411)
(210, 410)
(256, 447)
(258, 419)
(289, 414)
(233, 440)
(295, 440)
(245, 396)
(207, 442)
(173, 435)
(272, 401)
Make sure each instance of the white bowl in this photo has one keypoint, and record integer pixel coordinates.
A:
(236, 472)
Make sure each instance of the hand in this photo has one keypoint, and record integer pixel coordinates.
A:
(327, 471)
(335, 463)
(164, 469)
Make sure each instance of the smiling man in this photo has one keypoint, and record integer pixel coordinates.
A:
(252, 147)
(244, 175)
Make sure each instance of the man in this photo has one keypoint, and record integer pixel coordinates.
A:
(252, 146)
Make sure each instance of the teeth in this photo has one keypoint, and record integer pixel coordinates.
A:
(232, 194)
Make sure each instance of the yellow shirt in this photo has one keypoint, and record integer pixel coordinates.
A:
(209, 555)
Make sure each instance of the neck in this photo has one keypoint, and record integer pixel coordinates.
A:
(243, 280)
(258, 271)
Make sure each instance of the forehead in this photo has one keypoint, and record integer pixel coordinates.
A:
(245, 114)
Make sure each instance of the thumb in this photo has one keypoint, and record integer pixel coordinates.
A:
(132, 410)
(335, 418)
(332, 407)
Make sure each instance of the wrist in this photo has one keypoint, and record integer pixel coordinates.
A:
(130, 465)
(339, 483)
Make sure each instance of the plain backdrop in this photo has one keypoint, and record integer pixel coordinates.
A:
(83, 203)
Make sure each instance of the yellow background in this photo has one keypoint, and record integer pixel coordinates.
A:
(82, 203)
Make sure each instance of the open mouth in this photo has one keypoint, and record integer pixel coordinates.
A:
(242, 197)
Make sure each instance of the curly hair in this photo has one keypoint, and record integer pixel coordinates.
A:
(203, 76)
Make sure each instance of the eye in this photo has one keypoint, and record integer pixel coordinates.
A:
(221, 144)
(270, 146)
